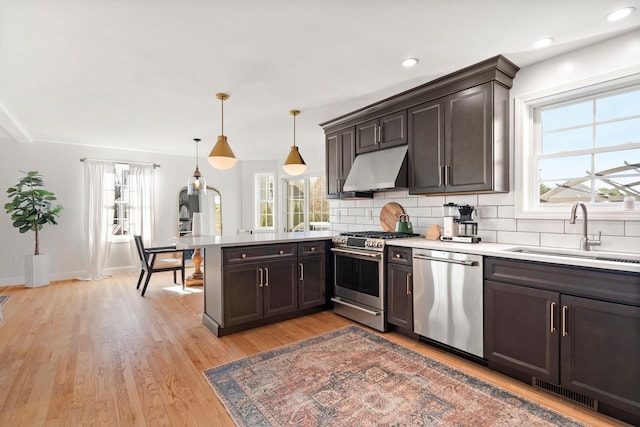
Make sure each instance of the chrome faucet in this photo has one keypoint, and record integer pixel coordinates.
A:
(585, 243)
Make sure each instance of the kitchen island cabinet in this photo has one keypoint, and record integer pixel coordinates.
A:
(256, 279)
(575, 328)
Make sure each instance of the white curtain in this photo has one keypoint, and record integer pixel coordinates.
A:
(97, 241)
(141, 219)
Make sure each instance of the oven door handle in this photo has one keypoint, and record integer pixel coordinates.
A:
(377, 255)
(343, 302)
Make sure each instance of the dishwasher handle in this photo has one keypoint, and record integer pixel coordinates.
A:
(450, 261)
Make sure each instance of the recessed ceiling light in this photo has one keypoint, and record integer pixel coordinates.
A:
(543, 43)
(616, 15)
(409, 62)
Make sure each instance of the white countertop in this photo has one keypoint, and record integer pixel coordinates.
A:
(573, 258)
(244, 239)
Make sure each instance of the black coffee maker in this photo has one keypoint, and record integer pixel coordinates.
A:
(467, 226)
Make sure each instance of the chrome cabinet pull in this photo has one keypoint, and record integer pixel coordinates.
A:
(447, 174)
(301, 271)
(408, 284)
(379, 134)
(398, 256)
(266, 275)
(281, 252)
(260, 275)
(440, 172)
(552, 328)
(243, 256)
(564, 320)
(313, 248)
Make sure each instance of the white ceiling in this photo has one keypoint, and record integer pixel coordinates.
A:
(143, 74)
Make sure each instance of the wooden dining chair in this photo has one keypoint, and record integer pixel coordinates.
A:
(151, 262)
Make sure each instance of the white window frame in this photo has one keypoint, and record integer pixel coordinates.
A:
(258, 202)
(306, 202)
(125, 203)
(525, 140)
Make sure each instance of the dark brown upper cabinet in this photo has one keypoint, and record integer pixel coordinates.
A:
(385, 132)
(456, 128)
(340, 154)
(459, 143)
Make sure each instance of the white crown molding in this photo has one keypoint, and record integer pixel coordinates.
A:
(12, 128)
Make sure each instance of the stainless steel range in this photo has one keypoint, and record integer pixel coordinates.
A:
(359, 276)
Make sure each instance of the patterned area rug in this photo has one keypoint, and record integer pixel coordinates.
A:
(351, 377)
(4, 299)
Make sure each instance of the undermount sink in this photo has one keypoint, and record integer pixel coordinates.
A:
(572, 253)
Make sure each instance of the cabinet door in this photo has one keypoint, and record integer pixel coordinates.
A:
(600, 351)
(393, 129)
(400, 295)
(521, 329)
(340, 153)
(242, 294)
(313, 281)
(280, 287)
(426, 148)
(469, 140)
(367, 138)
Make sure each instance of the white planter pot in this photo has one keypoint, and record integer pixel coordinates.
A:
(36, 270)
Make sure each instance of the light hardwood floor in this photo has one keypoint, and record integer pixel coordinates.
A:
(96, 353)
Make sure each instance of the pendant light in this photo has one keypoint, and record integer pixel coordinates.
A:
(294, 165)
(197, 184)
(221, 157)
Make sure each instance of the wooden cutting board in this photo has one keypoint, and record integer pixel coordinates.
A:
(389, 216)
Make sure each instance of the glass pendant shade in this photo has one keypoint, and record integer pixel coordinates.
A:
(196, 184)
(222, 157)
(294, 164)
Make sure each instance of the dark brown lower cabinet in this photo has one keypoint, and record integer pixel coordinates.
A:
(256, 291)
(266, 283)
(577, 328)
(399, 287)
(313, 281)
(400, 295)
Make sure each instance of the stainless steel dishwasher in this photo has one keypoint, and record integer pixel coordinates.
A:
(447, 298)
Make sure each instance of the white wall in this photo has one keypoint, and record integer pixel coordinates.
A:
(497, 221)
(63, 172)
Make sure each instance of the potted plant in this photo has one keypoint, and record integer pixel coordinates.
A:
(30, 208)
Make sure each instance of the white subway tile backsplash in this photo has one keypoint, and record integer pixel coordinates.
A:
(497, 224)
(540, 225)
(462, 199)
(367, 203)
(506, 211)
(632, 228)
(486, 212)
(495, 217)
(519, 238)
(608, 228)
(430, 201)
(619, 244)
(499, 199)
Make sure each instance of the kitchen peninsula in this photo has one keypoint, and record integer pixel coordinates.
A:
(255, 279)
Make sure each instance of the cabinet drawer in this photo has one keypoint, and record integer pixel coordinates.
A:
(246, 254)
(311, 248)
(604, 285)
(399, 255)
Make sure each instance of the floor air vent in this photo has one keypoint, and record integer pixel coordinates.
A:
(567, 394)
